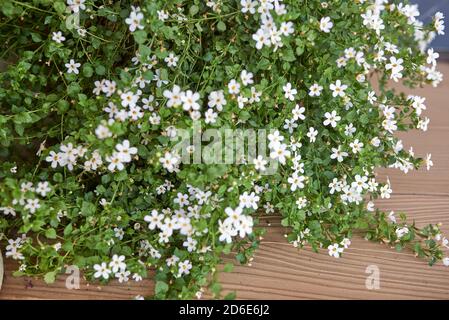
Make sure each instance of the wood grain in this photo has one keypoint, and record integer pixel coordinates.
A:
(279, 271)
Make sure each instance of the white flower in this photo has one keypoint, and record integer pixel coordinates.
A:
(233, 216)
(290, 92)
(290, 125)
(335, 250)
(255, 95)
(217, 100)
(297, 182)
(190, 101)
(331, 118)
(391, 217)
(338, 154)
(418, 104)
(8, 211)
(360, 183)
(43, 188)
(190, 244)
(241, 101)
(122, 276)
(72, 67)
(103, 132)
(125, 151)
(400, 232)
(174, 97)
(370, 206)
(432, 57)
(275, 139)
(210, 116)
(356, 146)
(102, 271)
(234, 87)
(312, 134)
(260, 163)
(169, 161)
(262, 38)
(301, 202)
(55, 159)
(280, 153)
(246, 77)
(315, 90)
(249, 200)
(58, 37)
(134, 20)
(326, 24)
(338, 89)
(76, 5)
(287, 28)
(117, 263)
(226, 231)
(298, 113)
(345, 243)
(390, 125)
(155, 220)
(245, 226)
(248, 6)
(171, 60)
(162, 15)
(129, 99)
(396, 68)
(349, 129)
(32, 205)
(385, 191)
(115, 162)
(439, 23)
(184, 267)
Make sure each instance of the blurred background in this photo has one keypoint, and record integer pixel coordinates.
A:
(428, 8)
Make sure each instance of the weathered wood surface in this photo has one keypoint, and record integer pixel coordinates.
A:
(280, 271)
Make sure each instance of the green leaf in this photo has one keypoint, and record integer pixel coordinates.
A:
(68, 230)
(161, 288)
(140, 36)
(228, 267)
(36, 37)
(100, 70)
(50, 233)
(230, 296)
(221, 26)
(50, 277)
(194, 10)
(88, 71)
(59, 7)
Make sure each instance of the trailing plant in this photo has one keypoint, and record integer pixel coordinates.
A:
(96, 95)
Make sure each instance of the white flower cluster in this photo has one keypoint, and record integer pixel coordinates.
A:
(336, 249)
(236, 222)
(269, 34)
(13, 248)
(117, 267)
(28, 200)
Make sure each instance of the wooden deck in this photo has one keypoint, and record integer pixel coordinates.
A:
(280, 271)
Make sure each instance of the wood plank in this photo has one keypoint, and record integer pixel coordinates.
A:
(36, 288)
(280, 271)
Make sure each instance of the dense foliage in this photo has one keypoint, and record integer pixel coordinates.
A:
(94, 92)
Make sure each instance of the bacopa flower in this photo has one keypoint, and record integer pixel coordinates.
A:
(134, 20)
